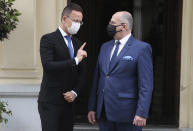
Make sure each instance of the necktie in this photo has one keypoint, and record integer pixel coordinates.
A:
(113, 58)
(70, 46)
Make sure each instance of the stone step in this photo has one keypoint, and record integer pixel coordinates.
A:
(86, 127)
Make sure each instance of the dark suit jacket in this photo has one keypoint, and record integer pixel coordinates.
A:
(126, 89)
(60, 72)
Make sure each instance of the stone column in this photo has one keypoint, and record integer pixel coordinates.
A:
(186, 84)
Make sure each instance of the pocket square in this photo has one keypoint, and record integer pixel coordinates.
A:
(128, 58)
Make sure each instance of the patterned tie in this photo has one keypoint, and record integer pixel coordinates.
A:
(70, 46)
(114, 56)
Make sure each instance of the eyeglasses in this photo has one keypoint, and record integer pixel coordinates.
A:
(81, 22)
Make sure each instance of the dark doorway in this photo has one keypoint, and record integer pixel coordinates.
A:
(157, 22)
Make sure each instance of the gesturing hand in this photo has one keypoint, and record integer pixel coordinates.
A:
(69, 96)
(81, 53)
(139, 121)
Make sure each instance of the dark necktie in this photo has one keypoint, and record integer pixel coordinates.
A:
(114, 56)
(70, 46)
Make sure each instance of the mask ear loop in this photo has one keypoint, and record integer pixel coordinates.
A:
(119, 25)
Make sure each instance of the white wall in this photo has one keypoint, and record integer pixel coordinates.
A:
(25, 115)
(22, 100)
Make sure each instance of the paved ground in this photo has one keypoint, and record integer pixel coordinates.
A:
(150, 128)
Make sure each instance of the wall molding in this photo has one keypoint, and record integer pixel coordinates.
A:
(19, 74)
(19, 90)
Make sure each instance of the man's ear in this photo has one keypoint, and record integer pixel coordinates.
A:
(126, 26)
(64, 18)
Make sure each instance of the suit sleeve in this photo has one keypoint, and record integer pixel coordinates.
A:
(145, 82)
(81, 76)
(47, 57)
(92, 104)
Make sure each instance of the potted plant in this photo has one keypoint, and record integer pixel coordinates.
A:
(8, 18)
(4, 111)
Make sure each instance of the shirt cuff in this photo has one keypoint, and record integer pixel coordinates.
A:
(74, 93)
(76, 59)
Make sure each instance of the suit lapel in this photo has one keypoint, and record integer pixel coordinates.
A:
(60, 39)
(123, 51)
(107, 56)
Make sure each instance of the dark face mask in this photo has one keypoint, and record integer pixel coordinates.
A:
(111, 30)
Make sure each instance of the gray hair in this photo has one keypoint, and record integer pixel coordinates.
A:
(127, 18)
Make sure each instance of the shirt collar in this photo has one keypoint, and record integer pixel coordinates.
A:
(62, 31)
(124, 39)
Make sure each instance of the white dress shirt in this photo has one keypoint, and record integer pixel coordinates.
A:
(122, 44)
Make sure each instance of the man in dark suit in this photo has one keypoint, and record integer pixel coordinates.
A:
(62, 57)
(123, 80)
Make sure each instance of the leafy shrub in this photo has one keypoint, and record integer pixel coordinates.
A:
(4, 111)
(8, 18)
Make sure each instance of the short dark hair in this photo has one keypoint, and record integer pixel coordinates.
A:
(68, 9)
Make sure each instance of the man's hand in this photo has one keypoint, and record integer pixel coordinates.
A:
(69, 96)
(139, 121)
(81, 54)
(91, 117)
